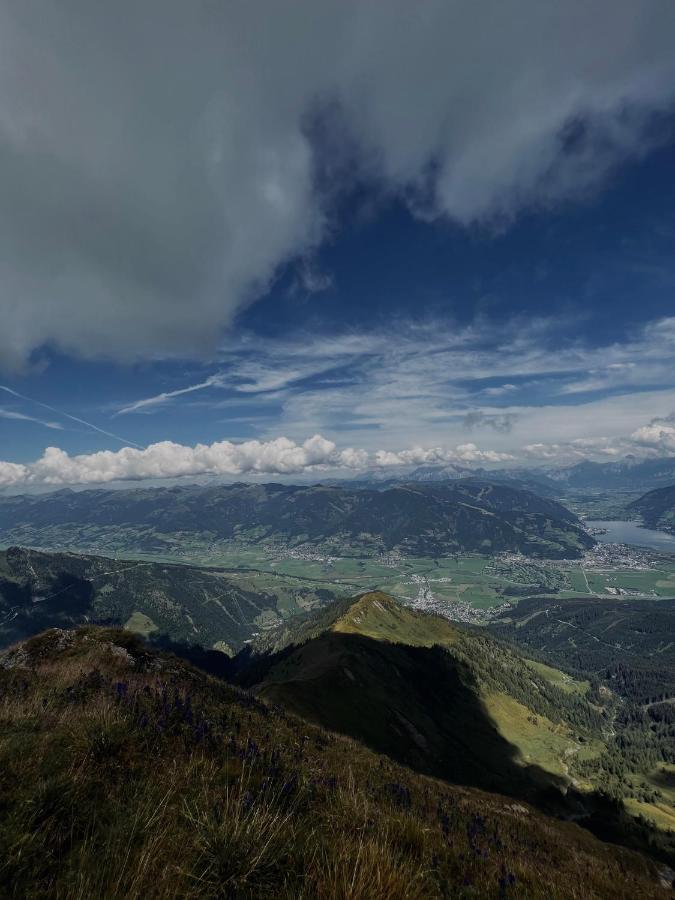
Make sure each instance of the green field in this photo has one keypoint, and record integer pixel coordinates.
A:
(560, 679)
(540, 741)
(662, 810)
(480, 582)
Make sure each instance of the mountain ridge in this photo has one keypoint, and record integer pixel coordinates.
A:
(374, 647)
(418, 519)
(459, 703)
(628, 474)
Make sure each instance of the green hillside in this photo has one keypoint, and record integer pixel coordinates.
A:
(458, 704)
(627, 642)
(187, 604)
(656, 508)
(127, 773)
(623, 650)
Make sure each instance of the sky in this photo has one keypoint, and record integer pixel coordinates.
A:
(318, 237)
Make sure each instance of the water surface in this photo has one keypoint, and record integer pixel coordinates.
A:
(619, 532)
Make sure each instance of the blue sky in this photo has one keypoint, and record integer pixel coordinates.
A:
(437, 267)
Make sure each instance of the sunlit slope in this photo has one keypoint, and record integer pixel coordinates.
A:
(379, 616)
(621, 652)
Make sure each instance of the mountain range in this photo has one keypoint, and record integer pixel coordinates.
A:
(521, 478)
(628, 474)
(420, 519)
(566, 705)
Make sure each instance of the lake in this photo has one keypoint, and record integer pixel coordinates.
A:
(631, 533)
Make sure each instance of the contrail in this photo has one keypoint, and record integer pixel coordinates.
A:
(60, 412)
(211, 381)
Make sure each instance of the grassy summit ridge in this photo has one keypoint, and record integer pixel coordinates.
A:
(377, 615)
(459, 704)
(124, 772)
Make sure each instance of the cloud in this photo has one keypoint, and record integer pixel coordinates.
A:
(425, 383)
(658, 435)
(503, 422)
(420, 456)
(542, 451)
(500, 390)
(265, 377)
(309, 279)
(648, 441)
(143, 206)
(283, 456)
(577, 450)
(428, 382)
(20, 417)
(13, 473)
(471, 453)
(167, 459)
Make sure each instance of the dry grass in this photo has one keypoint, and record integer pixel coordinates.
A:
(129, 780)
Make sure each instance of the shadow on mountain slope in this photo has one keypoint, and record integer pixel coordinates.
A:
(418, 705)
(27, 611)
(213, 662)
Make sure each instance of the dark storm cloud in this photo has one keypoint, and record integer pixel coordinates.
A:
(156, 167)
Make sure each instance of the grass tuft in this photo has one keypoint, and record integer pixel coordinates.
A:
(156, 781)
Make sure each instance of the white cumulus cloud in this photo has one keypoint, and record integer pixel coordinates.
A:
(658, 435)
(13, 473)
(167, 459)
(418, 456)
